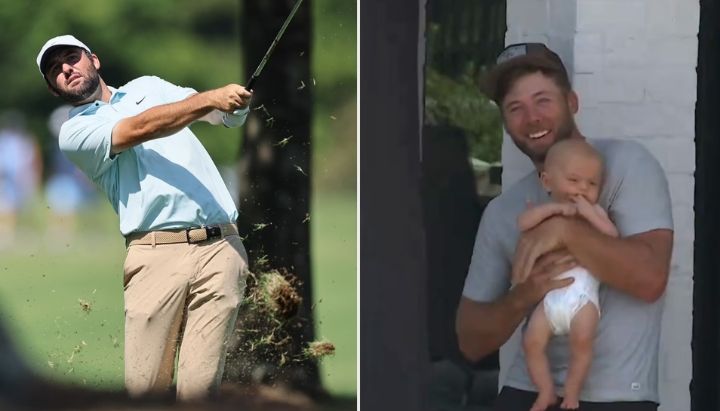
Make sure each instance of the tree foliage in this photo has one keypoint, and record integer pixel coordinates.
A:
(458, 103)
(463, 38)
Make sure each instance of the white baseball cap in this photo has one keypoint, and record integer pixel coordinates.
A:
(55, 42)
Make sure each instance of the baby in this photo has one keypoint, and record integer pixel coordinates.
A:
(572, 174)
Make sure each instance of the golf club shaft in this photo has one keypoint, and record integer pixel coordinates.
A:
(265, 58)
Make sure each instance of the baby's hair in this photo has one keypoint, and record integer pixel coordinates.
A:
(571, 147)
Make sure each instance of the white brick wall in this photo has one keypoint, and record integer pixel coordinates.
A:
(633, 66)
(608, 16)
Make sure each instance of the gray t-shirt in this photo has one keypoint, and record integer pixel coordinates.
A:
(625, 353)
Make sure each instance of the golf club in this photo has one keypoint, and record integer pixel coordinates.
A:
(265, 58)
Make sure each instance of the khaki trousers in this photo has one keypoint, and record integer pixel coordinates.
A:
(182, 296)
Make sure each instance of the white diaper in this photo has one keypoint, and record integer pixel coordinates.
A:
(562, 304)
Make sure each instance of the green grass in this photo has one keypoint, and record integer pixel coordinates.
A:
(334, 254)
(43, 283)
(46, 277)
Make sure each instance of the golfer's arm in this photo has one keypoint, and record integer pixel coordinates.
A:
(159, 121)
(638, 265)
(483, 327)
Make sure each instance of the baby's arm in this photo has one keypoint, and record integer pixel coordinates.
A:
(596, 216)
(536, 215)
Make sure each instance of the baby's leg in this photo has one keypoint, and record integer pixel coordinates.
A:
(582, 335)
(535, 341)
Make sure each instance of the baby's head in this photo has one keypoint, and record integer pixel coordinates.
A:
(572, 168)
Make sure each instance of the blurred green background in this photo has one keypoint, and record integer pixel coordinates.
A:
(61, 293)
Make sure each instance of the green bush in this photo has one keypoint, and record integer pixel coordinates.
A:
(459, 103)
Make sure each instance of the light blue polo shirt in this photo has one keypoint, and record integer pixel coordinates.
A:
(165, 183)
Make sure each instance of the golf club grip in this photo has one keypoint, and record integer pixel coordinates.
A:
(250, 83)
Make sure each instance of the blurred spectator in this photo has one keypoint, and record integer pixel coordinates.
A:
(20, 171)
(67, 190)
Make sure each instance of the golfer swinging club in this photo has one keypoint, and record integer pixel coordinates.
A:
(186, 266)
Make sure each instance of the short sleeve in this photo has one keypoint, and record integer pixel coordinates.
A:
(642, 200)
(86, 141)
(489, 273)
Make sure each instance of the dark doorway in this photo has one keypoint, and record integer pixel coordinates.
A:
(393, 339)
(705, 386)
(462, 136)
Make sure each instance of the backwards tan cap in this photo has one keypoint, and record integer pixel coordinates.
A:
(531, 56)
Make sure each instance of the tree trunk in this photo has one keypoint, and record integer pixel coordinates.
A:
(275, 164)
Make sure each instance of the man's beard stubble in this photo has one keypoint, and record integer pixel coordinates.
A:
(563, 131)
(83, 93)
